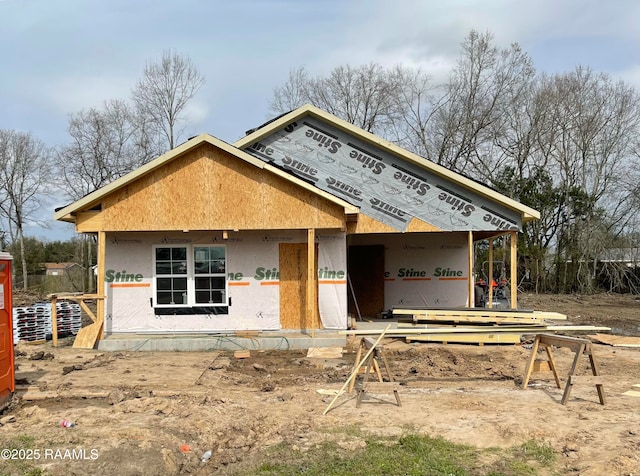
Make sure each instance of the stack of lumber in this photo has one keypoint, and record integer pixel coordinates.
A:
(474, 325)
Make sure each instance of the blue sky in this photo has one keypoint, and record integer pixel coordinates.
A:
(59, 56)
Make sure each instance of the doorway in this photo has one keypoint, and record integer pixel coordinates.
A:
(365, 264)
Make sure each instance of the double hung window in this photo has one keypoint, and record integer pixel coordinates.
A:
(189, 276)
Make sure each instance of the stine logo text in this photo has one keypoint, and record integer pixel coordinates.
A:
(457, 205)
(111, 276)
(498, 222)
(447, 272)
(412, 183)
(367, 162)
(387, 209)
(344, 188)
(324, 141)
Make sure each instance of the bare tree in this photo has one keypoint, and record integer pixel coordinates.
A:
(22, 175)
(366, 96)
(165, 90)
(292, 94)
(484, 85)
(106, 144)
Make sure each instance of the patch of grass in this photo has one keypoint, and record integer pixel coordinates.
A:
(540, 452)
(410, 455)
(19, 466)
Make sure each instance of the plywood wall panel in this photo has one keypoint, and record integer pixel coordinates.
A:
(366, 224)
(293, 285)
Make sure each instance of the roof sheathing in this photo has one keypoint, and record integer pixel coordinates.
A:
(526, 213)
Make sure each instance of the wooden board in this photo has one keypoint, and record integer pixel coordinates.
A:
(293, 287)
(498, 338)
(88, 336)
(616, 341)
(325, 352)
(293, 282)
(471, 330)
(483, 316)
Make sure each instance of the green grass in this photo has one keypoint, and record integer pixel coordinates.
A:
(18, 466)
(407, 455)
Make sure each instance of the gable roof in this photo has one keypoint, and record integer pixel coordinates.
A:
(277, 124)
(88, 201)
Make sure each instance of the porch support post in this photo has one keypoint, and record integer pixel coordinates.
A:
(100, 290)
(471, 301)
(311, 278)
(490, 275)
(514, 269)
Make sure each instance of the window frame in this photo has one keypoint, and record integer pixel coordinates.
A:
(190, 276)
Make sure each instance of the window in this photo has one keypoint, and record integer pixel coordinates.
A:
(190, 276)
(210, 282)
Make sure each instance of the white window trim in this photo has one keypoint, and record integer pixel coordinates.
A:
(191, 284)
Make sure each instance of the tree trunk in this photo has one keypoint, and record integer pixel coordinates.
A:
(23, 258)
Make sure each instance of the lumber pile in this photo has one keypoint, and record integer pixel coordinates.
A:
(472, 325)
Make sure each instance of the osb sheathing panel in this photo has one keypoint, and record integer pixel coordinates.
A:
(88, 221)
(293, 285)
(208, 189)
(366, 224)
(418, 225)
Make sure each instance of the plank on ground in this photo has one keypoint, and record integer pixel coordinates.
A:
(616, 341)
(501, 338)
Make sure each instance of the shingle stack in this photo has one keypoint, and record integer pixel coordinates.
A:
(33, 323)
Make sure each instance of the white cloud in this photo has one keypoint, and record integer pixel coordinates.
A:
(73, 93)
(630, 76)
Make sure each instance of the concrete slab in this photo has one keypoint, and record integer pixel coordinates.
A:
(200, 342)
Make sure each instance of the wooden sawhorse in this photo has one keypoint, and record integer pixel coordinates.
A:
(580, 347)
(371, 364)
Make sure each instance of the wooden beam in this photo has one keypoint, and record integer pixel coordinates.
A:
(466, 330)
(514, 269)
(470, 283)
(454, 314)
(490, 276)
(101, 258)
(488, 338)
(311, 279)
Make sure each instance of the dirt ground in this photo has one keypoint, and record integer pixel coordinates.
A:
(140, 413)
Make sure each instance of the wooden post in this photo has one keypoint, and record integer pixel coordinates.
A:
(514, 269)
(101, 258)
(54, 320)
(311, 279)
(490, 277)
(470, 286)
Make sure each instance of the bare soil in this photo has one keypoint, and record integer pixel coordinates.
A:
(140, 413)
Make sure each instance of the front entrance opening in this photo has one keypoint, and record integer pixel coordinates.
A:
(366, 273)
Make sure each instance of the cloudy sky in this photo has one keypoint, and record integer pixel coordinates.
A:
(59, 56)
